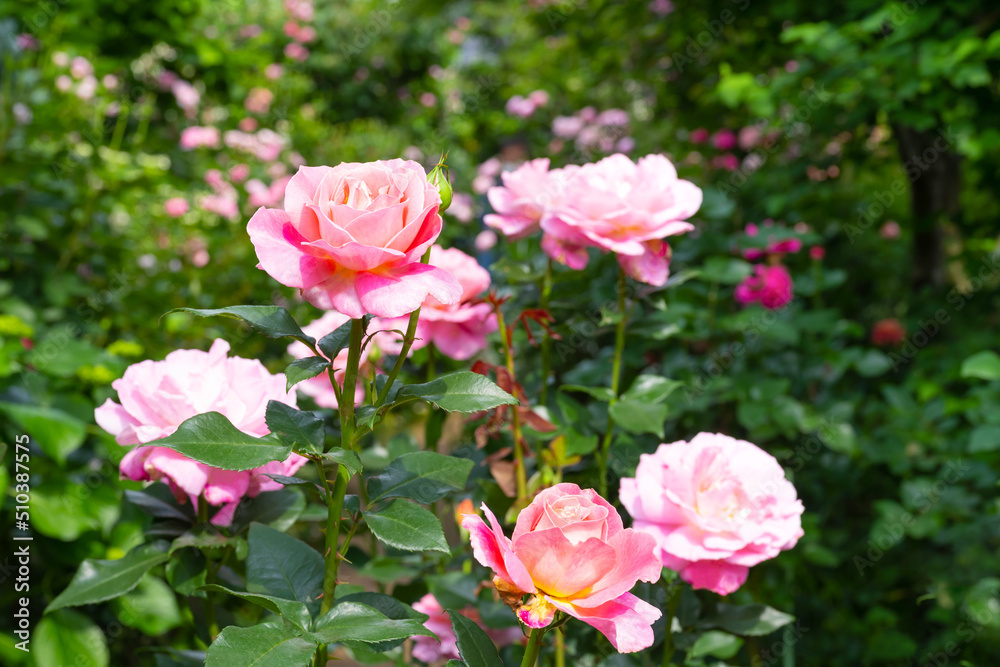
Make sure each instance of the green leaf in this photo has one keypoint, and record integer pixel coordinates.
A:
(200, 540)
(298, 429)
(725, 270)
(421, 476)
(464, 391)
(212, 439)
(872, 364)
(345, 457)
(100, 580)
(474, 645)
(404, 525)
(719, 644)
(57, 433)
(151, 608)
(639, 417)
(353, 621)
(984, 365)
(651, 389)
(296, 612)
(985, 438)
(281, 566)
(600, 393)
(750, 619)
(272, 321)
(303, 369)
(186, 571)
(335, 341)
(278, 509)
(264, 645)
(69, 638)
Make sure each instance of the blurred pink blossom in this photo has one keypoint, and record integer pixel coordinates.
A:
(175, 207)
(296, 51)
(485, 240)
(698, 136)
(239, 173)
(274, 71)
(26, 42)
(539, 98)
(462, 207)
(87, 88)
(258, 100)
(520, 106)
(771, 286)
(890, 230)
(187, 96)
(64, 82)
(724, 140)
(250, 31)
(196, 137)
(81, 67)
(566, 127)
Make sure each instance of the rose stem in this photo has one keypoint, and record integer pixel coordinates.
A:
(519, 473)
(615, 379)
(546, 290)
(533, 647)
(560, 648)
(673, 589)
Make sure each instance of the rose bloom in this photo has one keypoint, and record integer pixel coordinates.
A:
(888, 332)
(258, 100)
(319, 388)
(157, 396)
(724, 140)
(428, 649)
(571, 553)
(522, 199)
(351, 238)
(771, 286)
(458, 330)
(617, 205)
(175, 207)
(716, 506)
(195, 137)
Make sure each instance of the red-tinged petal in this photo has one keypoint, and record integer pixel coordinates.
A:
(400, 290)
(538, 613)
(492, 549)
(627, 621)
(355, 256)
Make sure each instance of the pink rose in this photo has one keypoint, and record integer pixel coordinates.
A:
(187, 96)
(715, 506)
(157, 396)
(771, 286)
(175, 207)
(351, 238)
(319, 388)
(620, 206)
(724, 140)
(523, 198)
(571, 553)
(458, 330)
(195, 137)
(429, 650)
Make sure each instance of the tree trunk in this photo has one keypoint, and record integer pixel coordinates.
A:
(934, 169)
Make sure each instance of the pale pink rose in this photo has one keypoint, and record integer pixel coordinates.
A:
(771, 286)
(319, 388)
(64, 82)
(523, 198)
(248, 124)
(258, 100)
(485, 240)
(60, 59)
(175, 207)
(157, 396)
(617, 205)
(491, 168)
(612, 118)
(274, 71)
(458, 330)
(539, 98)
(566, 127)
(87, 88)
(306, 34)
(296, 51)
(716, 506)
(571, 553)
(187, 96)
(430, 650)
(462, 207)
(110, 81)
(748, 137)
(520, 106)
(269, 195)
(196, 137)
(351, 238)
(214, 178)
(428, 99)
(225, 204)
(80, 67)
(481, 184)
(587, 114)
(300, 9)
(625, 145)
(239, 173)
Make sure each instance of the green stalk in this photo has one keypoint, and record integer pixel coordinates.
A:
(533, 647)
(673, 590)
(616, 371)
(546, 290)
(520, 474)
(560, 649)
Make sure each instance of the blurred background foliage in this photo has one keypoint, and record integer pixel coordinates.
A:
(873, 123)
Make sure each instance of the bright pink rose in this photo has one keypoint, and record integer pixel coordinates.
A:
(319, 387)
(715, 506)
(157, 396)
(351, 238)
(771, 286)
(724, 140)
(458, 330)
(428, 649)
(620, 206)
(175, 207)
(571, 553)
(524, 196)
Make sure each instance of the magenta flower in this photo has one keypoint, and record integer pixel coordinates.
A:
(571, 553)
(351, 238)
(157, 396)
(771, 286)
(716, 506)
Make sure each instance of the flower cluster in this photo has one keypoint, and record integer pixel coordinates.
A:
(614, 205)
(770, 284)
